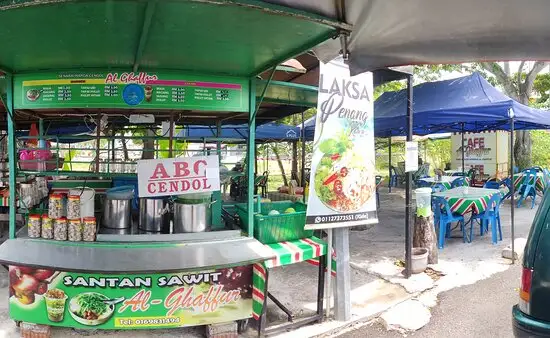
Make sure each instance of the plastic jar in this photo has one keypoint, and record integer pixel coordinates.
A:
(47, 227)
(73, 207)
(55, 206)
(75, 230)
(60, 229)
(34, 226)
(89, 229)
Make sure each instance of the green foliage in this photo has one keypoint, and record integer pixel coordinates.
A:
(541, 144)
(439, 152)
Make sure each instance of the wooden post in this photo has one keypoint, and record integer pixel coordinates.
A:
(425, 236)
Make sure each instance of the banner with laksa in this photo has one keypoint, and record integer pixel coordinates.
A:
(178, 176)
(342, 187)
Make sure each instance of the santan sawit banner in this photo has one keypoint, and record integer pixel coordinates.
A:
(342, 187)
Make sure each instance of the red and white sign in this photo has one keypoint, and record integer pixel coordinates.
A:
(178, 176)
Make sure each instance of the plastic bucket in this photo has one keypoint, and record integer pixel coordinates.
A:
(423, 201)
(419, 260)
(87, 200)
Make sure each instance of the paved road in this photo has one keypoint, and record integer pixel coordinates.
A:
(479, 310)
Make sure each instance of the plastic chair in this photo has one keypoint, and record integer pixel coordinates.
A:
(492, 185)
(491, 215)
(437, 187)
(445, 218)
(459, 182)
(472, 175)
(527, 188)
(508, 183)
(516, 170)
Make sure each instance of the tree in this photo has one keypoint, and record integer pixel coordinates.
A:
(520, 87)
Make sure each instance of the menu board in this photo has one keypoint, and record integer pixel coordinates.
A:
(141, 90)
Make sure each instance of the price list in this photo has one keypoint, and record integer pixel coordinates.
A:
(178, 94)
(64, 93)
(110, 90)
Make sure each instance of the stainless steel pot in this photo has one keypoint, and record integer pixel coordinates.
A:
(117, 214)
(191, 217)
(154, 215)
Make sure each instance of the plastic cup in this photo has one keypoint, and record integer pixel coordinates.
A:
(55, 307)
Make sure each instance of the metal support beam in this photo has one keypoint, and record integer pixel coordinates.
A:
(147, 19)
(512, 204)
(303, 169)
(12, 154)
(97, 141)
(171, 137)
(251, 145)
(261, 98)
(389, 162)
(342, 297)
(408, 175)
(462, 147)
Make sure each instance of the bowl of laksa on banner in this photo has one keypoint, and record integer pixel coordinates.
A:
(91, 308)
(343, 182)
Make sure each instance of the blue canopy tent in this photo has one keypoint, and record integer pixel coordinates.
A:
(265, 132)
(465, 104)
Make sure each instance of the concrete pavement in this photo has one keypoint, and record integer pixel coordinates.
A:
(480, 310)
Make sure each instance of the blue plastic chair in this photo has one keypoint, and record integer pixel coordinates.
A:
(527, 188)
(437, 187)
(508, 183)
(459, 182)
(491, 215)
(492, 185)
(446, 218)
(516, 170)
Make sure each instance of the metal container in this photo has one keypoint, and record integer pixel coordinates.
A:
(117, 214)
(154, 215)
(191, 217)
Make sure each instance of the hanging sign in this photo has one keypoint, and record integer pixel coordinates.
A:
(178, 176)
(411, 156)
(342, 188)
(135, 301)
(120, 89)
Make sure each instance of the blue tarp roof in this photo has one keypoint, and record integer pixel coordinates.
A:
(443, 106)
(265, 132)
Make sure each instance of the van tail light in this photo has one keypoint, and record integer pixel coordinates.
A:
(525, 290)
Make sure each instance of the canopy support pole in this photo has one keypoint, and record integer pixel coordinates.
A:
(408, 175)
(302, 170)
(97, 142)
(512, 204)
(171, 136)
(462, 148)
(12, 152)
(389, 161)
(251, 146)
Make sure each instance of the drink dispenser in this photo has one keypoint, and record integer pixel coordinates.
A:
(423, 201)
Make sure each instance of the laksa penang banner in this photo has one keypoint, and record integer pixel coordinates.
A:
(342, 184)
(178, 176)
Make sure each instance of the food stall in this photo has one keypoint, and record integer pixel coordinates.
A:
(83, 260)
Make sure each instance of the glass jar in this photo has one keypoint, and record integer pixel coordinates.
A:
(47, 227)
(34, 226)
(60, 229)
(55, 206)
(75, 230)
(73, 207)
(89, 229)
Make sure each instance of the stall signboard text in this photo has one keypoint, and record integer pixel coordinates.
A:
(178, 176)
(102, 301)
(139, 90)
(487, 152)
(342, 184)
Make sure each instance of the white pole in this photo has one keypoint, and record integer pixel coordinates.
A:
(328, 276)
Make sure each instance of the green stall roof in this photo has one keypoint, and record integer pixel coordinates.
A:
(242, 38)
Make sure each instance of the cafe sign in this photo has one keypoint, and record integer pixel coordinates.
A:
(178, 176)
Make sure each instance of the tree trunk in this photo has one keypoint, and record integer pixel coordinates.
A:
(280, 163)
(425, 237)
(148, 143)
(522, 146)
(125, 150)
